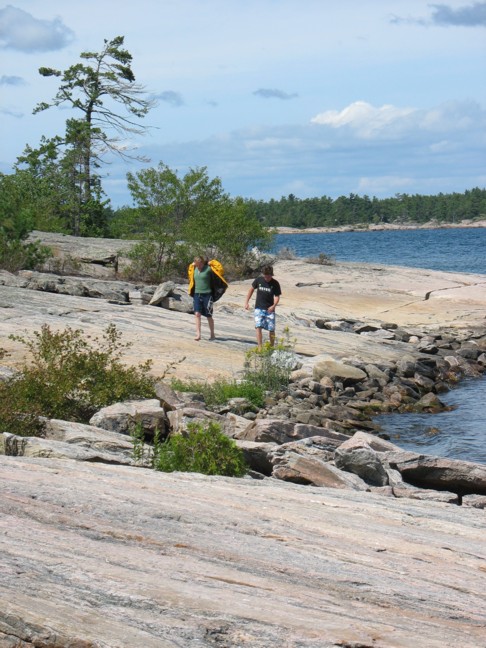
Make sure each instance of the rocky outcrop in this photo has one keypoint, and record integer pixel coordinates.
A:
(100, 550)
(107, 556)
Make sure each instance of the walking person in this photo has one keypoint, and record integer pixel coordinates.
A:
(206, 285)
(267, 297)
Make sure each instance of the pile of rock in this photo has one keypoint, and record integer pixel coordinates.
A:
(167, 295)
(318, 431)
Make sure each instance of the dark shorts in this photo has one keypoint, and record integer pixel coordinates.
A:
(203, 303)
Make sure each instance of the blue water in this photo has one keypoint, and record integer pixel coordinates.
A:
(460, 433)
(452, 250)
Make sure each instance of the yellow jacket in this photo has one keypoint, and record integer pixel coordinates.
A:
(218, 282)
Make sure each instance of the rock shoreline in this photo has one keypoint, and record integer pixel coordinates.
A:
(379, 227)
(336, 538)
(328, 398)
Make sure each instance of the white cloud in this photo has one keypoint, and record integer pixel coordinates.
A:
(366, 120)
(390, 103)
(392, 122)
(20, 31)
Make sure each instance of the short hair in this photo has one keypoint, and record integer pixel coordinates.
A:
(268, 270)
(201, 258)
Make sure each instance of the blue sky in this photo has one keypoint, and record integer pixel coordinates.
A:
(310, 97)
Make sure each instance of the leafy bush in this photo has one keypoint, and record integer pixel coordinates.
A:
(270, 367)
(220, 391)
(18, 255)
(204, 450)
(69, 378)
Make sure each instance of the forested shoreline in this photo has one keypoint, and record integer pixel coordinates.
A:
(303, 213)
(57, 186)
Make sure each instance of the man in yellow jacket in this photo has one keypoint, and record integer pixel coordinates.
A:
(206, 285)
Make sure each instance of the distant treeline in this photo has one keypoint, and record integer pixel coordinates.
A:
(352, 210)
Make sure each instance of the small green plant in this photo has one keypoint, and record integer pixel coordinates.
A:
(205, 449)
(17, 254)
(69, 377)
(137, 436)
(270, 367)
(220, 391)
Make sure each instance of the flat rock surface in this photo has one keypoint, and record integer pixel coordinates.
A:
(413, 298)
(97, 555)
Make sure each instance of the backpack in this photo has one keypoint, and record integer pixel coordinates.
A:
(218, 282)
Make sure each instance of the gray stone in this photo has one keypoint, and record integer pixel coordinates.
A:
(337, 371)
(109, 451)
(423, 494)
(162, 291)
(299, 469)
(462, 477)
(123, 417)
(168, 398)
(258, 455)
(178, 301)
(474, 501)
(182, 419)
(269, 430)
(364, 462)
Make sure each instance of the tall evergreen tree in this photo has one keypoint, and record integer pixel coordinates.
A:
(97, 87)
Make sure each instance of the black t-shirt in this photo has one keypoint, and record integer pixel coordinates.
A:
(266, 291)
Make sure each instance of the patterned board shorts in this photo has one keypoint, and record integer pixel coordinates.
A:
(264, 319)
(203, 303)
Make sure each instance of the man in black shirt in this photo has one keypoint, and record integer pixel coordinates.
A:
(267, 298)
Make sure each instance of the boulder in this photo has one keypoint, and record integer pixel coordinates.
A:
(461, 477)
(123, 417)
(179, 301)
(362, 439)
(280, 432)
(169, 399)
(181, 419)
(13, 445)
(299, 469)
(268, 431)
(474, 501)
(338, 371)
(429, 403)
(161, 292)
(258, 455)
(424, 494)
(362, 461)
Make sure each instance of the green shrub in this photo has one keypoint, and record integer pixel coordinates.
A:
(270, 367)
(204, 450)
(70, 378)
(220, 391)
(18, 255)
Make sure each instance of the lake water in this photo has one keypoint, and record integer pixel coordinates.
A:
(460, 433)
(452, 250)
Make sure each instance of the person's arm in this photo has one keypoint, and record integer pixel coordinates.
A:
(248, 297)
(276, 299)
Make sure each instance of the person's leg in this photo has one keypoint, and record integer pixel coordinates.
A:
(198, 326)
(207, 311)
(211, 328)
(270, 326)
(259, 338)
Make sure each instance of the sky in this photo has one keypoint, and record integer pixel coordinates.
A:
(274, 97)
